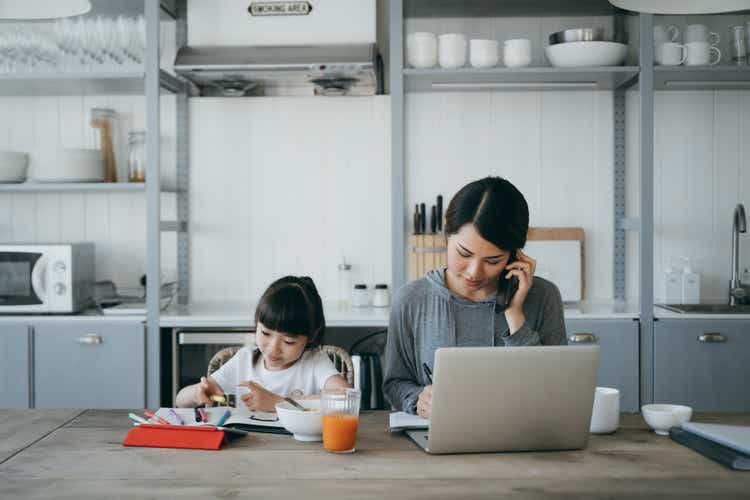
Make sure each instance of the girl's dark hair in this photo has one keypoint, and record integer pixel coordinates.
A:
(292, 305)
(496, 209)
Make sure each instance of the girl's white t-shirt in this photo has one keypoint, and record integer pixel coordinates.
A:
(307, 375)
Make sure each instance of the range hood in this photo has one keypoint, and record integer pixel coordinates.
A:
(347, 69)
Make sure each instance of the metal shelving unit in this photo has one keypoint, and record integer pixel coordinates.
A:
(74, 187)
(65, 84)
(701, 77)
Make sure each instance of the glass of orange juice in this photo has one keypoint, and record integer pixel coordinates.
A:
(340, 412)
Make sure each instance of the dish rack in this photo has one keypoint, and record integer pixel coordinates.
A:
(106, 294)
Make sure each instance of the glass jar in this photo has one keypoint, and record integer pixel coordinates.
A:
(360, 296)
(137, 156)
(381, 297)
(105, 133)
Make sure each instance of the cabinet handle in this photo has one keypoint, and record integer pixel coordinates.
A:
(583, 338)
(90, 339)
(711, 338)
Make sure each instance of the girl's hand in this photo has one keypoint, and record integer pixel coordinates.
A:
(522, 268)
(425, 402)
(204, 390)
(259, 399)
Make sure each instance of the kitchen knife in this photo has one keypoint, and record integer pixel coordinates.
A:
(433, 219)
(416, 219)
(440, 212)
(422, 219)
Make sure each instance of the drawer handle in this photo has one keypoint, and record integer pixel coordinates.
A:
(583, 338)
(90, 339)
(711, 338)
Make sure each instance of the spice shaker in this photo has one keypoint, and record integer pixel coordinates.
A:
(360, 296)
(137, 156)
(345, 282)
(738, 46)
(104, 128)
(381, 297)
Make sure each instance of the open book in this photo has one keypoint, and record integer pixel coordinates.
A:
(243, 419)
(399, 421)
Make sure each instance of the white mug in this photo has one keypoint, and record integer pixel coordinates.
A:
(664, 34)
(452, 50)
(605, 416)
(699, 33)
(699, 54)
(483, 53)
(421, 49)
(672, 54)
(517, 52)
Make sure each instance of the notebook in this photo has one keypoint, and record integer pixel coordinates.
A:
(243, 419)
(711, 449)
(736, 437)
(399, 421)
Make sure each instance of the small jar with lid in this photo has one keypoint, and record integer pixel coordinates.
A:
(381, 297)
(360, 296)
(345, 282)
(105, 132)
(137, 156)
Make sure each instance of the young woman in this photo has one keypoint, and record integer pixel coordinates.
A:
(486, 296)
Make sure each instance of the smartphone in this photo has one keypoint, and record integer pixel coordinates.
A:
(511, 285)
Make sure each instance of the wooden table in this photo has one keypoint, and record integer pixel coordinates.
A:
(78, 454)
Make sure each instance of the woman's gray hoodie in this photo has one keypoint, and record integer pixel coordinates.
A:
(425, 315)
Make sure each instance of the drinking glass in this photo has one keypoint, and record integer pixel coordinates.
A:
(340, 413)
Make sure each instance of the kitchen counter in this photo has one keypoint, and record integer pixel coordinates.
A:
(661, 313)
(79, 455)
(603, 309)
(85, 317)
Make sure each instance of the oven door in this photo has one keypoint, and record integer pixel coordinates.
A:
(22, 281)
(193, 349)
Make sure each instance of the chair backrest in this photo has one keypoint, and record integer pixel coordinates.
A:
(340, 358)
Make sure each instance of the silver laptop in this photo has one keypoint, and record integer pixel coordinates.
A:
(489, 399)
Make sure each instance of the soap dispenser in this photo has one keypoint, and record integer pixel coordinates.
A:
(691, 284)
(672, 284)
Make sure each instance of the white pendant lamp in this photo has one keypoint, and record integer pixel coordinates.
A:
(42, 9)
(682, 6)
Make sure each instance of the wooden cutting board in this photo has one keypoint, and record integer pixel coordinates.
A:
(560, 250)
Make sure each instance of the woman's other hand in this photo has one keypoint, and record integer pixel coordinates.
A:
(259, 398)
(424, 402)
(523, 269)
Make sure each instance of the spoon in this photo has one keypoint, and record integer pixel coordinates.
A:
(295, 404)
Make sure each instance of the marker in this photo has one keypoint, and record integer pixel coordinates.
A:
(219, 399)
(151, 414)
(204, 417)
(197, 415)
(223, 418)
(427, 372)
(138, 419)
(176, 416)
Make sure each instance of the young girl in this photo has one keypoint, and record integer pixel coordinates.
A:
(289, 323)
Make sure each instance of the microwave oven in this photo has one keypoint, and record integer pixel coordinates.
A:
(45, 278)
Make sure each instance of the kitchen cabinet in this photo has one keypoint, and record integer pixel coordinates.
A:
(618, 343)
(98, 365)
(704, 364)
(14, 365)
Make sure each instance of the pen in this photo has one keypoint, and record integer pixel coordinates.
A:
(176, 416)
(223, 418)
(135, 417)
(203, 416)
(151, 414)
(427, 372)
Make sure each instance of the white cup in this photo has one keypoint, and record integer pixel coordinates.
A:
(517, 52)
(672, 54)
(700, 54)
(421, 50)
(483, 53)
(452, 50)
(605, 416)
(699, 33)
(663, 34)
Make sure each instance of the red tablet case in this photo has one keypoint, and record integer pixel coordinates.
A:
(175, 436)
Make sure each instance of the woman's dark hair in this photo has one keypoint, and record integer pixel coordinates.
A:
(496, 209)
(292, 305)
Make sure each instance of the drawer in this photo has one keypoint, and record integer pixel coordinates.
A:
(618, 344)
(100, 366)
(15, 362)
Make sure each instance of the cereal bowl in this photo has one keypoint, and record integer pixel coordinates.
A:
(662, 417)
(304, 425)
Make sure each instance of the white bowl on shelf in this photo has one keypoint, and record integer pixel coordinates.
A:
(304, 425)
(661, 417)
(13, 166)
(71, 165)
(586, 54)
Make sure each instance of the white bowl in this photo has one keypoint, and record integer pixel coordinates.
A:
(583, 54)
(13, 165)
(305, 425)
(71, 165)
(661, 417)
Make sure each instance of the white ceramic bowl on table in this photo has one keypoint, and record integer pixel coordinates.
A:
(13, 165)
(304, 425)
(586, 54)
(71, 165)
(662, 417)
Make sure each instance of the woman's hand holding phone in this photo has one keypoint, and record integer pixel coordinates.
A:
(522, 268)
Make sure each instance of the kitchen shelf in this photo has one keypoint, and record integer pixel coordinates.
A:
(105, 83)
(78, 187)
(507, 8)
(463, 79)
(701, 77)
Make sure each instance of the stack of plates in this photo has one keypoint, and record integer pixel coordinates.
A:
(586, 47)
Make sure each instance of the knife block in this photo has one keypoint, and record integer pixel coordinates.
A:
(427, 252)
